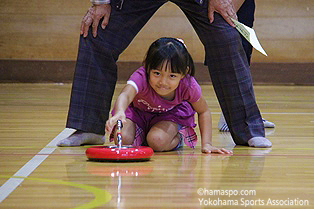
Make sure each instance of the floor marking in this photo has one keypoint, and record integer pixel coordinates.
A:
(101, 196)
(247, 155)
(236, 148)
(287, 113)
(288, 148)
(17, 154)
(10, 185)
(278, 113)
(17, 147)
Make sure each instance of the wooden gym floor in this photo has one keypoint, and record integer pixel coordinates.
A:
(34, 173)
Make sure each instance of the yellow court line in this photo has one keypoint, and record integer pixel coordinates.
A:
(101, 196)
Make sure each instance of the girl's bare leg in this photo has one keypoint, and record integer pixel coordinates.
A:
(163, 136)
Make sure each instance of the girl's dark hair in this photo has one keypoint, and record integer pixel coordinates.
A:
(169, 51)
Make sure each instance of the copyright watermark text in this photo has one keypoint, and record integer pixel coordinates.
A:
(246, 198)
(229, 193)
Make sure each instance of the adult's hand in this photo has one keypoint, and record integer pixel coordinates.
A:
(93, 16)
(224, 7)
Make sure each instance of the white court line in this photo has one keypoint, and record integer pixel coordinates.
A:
(11, 184)
(287, 113)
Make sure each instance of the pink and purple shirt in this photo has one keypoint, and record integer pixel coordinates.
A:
(148, 100)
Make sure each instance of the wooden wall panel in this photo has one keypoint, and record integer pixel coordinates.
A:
(284, 8)
(40, 29)
(288, 51)
(34, 37)
(44, 7)
(49, 30)
(285, 29)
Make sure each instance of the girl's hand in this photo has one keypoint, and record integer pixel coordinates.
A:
(211, 149)
(113, 121)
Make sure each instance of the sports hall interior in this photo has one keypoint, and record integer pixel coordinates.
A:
(38, 50)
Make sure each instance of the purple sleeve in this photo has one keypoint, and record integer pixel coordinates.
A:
(138, 80)
(193, 90)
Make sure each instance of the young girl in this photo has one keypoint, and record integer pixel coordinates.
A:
(158, 104)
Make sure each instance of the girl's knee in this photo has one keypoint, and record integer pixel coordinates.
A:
(156, 142)
(127, 139)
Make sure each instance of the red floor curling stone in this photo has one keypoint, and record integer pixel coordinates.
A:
(124, 153)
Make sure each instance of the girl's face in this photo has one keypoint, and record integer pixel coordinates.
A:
(164, 82)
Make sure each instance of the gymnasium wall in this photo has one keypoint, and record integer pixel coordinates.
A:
(39, 40)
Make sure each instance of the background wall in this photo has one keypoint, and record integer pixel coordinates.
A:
(44, 30)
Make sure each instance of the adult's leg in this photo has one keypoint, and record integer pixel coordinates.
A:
(96, 71)
(246, 16)
(229, 71)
